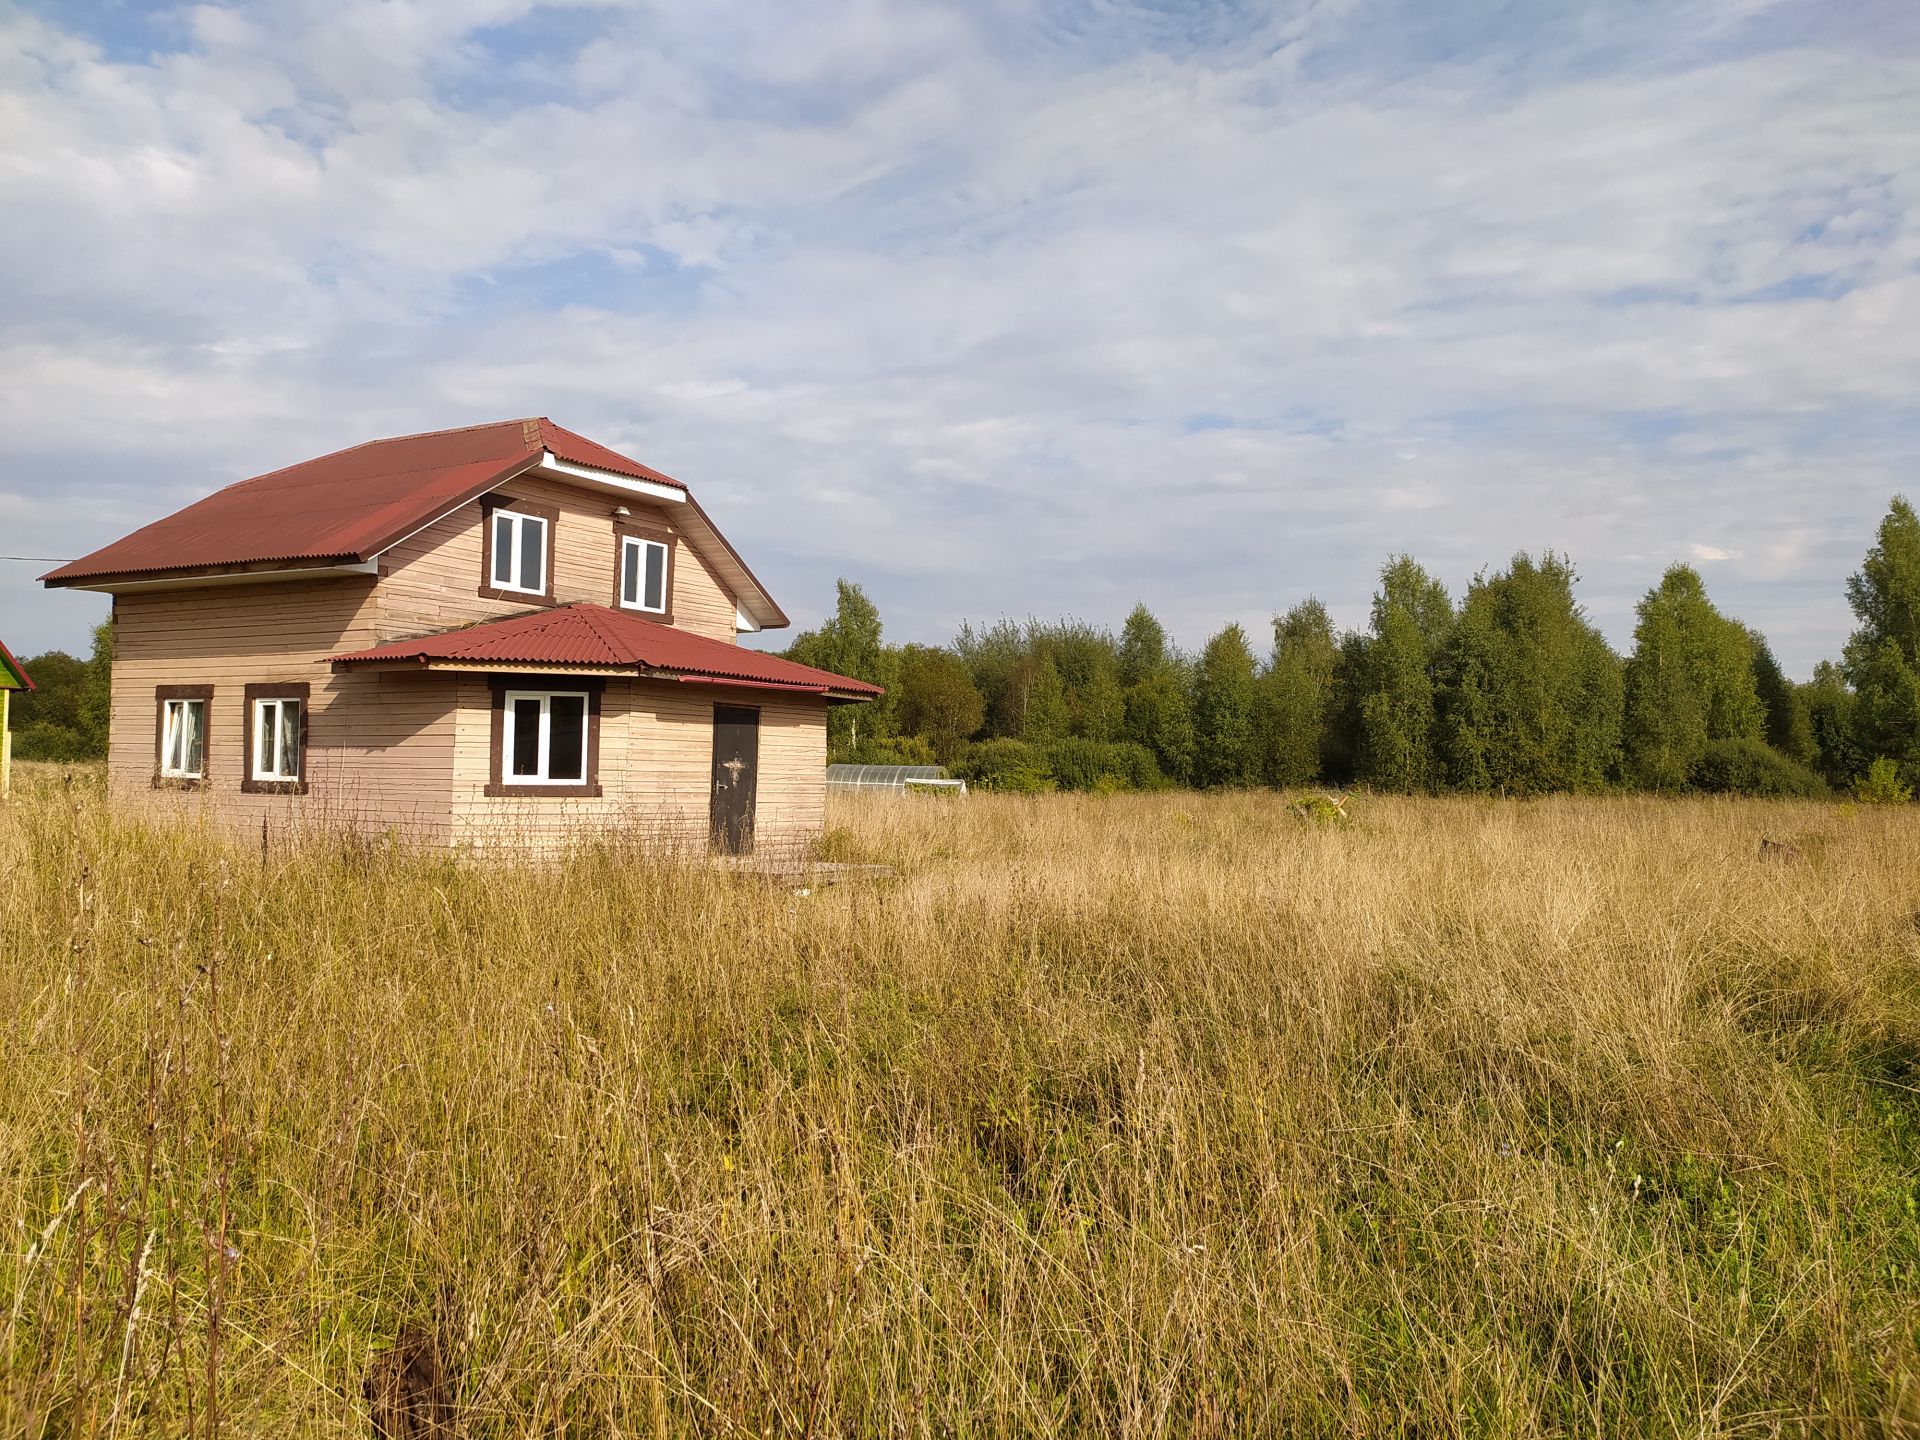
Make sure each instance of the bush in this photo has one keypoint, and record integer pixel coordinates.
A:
(45, 741)
(1011, 765)
(1321, 809)
(1753, 767)
(1882, 785)
(1080, 764)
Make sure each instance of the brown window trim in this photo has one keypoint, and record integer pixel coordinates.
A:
(548, 513)
(162, 694)
(644, 530)
(496, 746)
(283, 690)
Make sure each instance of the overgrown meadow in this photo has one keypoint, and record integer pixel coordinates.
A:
(1135, 1115)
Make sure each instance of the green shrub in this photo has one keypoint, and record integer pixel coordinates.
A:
(45, 741)
(1753, 767)
(1321, 809)
(1011, 765)
(1101, 765)
(1882, 785)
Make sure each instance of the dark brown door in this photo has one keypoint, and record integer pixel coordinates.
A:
(736, 776)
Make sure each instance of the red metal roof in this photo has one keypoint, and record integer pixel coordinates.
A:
(597, 638)
(347, 506)
(13, 675)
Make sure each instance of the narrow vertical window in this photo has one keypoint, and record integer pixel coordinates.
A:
(503, 548)
(643, 574)
(183, 742)
(524, 721)
(518, 552)
(533, 554)
(566, 737)
(276, 739)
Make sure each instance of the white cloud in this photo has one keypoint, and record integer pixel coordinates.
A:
(1014, 308)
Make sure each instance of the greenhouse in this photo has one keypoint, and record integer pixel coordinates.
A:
(895, 778)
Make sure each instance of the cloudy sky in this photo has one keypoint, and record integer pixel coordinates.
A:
(1002, 307)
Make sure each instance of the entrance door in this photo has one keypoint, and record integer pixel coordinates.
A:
(736, 777)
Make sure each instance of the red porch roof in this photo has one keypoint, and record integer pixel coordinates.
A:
(595, 638)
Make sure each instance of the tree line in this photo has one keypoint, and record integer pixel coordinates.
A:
(1509, 689)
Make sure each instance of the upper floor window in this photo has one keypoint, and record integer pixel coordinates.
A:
(643, 574)
(181, 741)
(276, 739)
(643, 568)
(518, 550)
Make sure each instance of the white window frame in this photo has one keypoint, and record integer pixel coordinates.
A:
(518, 519)
(262, 726)
(636, 600)
(508, 721)
(171, 711)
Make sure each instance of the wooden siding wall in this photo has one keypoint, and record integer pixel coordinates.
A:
(431, 581)
(379, 747)
(410, 751)
(656, 759)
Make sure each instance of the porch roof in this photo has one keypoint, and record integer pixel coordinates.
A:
(594, 640)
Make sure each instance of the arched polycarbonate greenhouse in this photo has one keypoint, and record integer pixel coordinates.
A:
(896, 779)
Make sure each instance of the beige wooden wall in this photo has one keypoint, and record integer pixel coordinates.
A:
(379, 747)
(431, 581)
(410, 751)
(656, 765)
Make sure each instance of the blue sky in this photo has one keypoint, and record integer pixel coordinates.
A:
(1005, 307)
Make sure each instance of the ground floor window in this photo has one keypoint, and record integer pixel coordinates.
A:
(546, 741)
(276, 739)
(547, 737)
(183, 732)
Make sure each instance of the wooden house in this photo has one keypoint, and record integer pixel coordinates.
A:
(13, 676)
(505, 634)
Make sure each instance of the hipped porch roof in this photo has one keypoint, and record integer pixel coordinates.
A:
(590, 639)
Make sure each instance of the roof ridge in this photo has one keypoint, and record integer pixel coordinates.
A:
(522, 421)
(591, 614)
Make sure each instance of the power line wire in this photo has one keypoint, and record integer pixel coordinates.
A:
(37, 559)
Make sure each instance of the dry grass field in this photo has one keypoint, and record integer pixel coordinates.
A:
(1131, 1116)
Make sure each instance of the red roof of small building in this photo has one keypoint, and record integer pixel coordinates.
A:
(349, 505)
(594, 637)
(13, 675)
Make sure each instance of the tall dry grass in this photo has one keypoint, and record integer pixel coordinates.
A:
(1130, 1115)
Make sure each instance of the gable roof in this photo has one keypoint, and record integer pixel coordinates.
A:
(13, 675)
(349, 506)
(594, 638)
